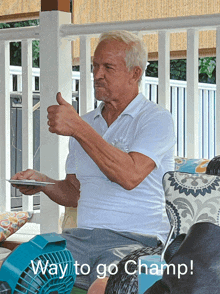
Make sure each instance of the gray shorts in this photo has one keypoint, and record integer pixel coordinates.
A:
(95, 250)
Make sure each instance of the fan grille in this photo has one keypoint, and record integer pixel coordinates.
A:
(44, 274)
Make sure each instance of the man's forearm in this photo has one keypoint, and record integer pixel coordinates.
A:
(118, 166)
(63, 192)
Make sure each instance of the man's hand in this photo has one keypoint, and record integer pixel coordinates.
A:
(29, 174)
(63, 119)
(64, 192)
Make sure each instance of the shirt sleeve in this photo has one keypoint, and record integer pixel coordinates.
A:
(70, 161)
(155, 136)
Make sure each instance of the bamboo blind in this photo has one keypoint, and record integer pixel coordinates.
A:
(16, 10)
(90, 11)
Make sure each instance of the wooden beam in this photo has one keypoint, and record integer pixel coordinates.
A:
(19, 17)
(61, 5)
(181, 54)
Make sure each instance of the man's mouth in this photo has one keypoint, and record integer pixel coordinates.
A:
(99, 85)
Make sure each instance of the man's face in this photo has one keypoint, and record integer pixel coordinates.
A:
(111, 76)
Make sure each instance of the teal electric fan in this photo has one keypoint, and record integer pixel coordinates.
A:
(43, 265)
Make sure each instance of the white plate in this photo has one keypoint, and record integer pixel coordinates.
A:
(29, 183)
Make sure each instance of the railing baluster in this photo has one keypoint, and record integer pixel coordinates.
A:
(201, 120)
(11, 82)
(147, 90)
(192, 94)
(19, 83)
(174, 113)
(211, 119)
(205, 124)
(27, 116)
(33, 84)
(5, 144)
(86, 103)
(217, 133)
(164, 69)
(181, 121)
(154, 93)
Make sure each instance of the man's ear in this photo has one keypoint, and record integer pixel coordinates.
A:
(137, 73)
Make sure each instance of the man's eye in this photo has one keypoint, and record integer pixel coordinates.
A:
(108, 67)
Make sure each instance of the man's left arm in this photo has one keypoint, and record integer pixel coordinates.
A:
(125, 169)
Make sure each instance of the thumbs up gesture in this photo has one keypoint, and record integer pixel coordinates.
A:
(62, 118)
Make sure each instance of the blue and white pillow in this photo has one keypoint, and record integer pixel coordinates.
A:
(191, 198)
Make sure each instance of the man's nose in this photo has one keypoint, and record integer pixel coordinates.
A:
(98, 72)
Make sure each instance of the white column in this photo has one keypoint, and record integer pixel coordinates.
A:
(5, 144)
(27, 116)
(56, 76)
(164, 69)
(192, 94)
(86, 102)
(217, 106)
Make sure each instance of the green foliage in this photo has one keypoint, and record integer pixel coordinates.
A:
(4, 25)
(15, 47)
(178, 69)
(152, 69)
(207, 69)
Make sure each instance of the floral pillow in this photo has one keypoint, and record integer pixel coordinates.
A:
(10, 222)
(191, 198)
(192, 166)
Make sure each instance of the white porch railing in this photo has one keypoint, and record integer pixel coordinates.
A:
(178, 93)
(55, 33)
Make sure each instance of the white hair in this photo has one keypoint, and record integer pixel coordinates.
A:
(136, 54)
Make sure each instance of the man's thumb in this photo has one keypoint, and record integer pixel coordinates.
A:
(60, 100)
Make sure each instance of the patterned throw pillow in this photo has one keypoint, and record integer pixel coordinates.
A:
(10, 222)
(191, 198)
(192, 166)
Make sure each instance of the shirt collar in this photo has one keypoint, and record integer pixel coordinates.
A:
(132, 109)
(98, 110)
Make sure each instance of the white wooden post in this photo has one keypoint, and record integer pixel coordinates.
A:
(86, 102)
(5, 144)
(56, 76)
(192, 94)
(27, 116)
(164, 69)
(217, 109)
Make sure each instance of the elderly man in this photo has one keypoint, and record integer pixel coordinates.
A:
(118, 154)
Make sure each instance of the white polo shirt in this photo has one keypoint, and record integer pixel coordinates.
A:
(143, 127)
